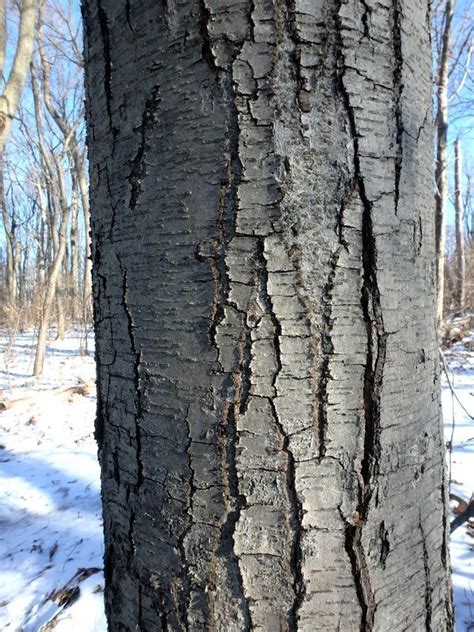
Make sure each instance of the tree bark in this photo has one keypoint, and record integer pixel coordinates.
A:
(460, 284)
(264, 293)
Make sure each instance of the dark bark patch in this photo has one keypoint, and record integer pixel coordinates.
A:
(384, 544)
(428, 585)
(138, 170)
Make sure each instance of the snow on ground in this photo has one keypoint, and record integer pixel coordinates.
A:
(460, 435)
(50, 527)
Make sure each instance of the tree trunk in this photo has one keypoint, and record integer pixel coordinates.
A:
(458, 208)
(10, 246)
(10, 97)
(60, 315)
(441, 162)
(50, 291)
(264, 281)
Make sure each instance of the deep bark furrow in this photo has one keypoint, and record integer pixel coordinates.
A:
(185, 599)
(371, 309)
(137, 358)
(366, 16)
(326, 350)
(206, 47)
(238, 383)
(428, 586)
(398, 90)
(384, 544)
(360, 573)
(301, 95)
(374, 365)
(236, 502)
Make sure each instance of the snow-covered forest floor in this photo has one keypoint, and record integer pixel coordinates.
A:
(50, 527)
(458, 409)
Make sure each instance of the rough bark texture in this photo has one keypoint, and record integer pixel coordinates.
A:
(264, 284)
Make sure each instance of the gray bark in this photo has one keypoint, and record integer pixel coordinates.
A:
(264, 290)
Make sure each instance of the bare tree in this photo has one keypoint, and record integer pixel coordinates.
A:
(68, 128)
(47, 173)
(460, 281)
(441, 161)
(452, 55)
(9, 101)
(59, 211)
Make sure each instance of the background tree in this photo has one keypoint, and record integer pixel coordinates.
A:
(46, 175)
(460, 281)
(452, 29)
(13, 82)
(268, 408)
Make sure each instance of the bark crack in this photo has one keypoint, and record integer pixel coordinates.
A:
(326, 327)
(185, 600)
(366, 17)
(398, 89)
(428, 584)
(385, 544)
(138, 164)
(295, 506)
(375, 359)
(235, 502)
(106, 48)
(236, 386)
(302, 91)
(138, 405)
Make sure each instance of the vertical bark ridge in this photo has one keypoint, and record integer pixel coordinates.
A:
(374, 365)
(295, 508)
(238, 383)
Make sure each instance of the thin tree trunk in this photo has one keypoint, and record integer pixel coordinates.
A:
(51, 285)
(11, 268)
(458, 207)
(60, 315)
(441, 163)
(10, 97)
(74, 286)
(268, 395)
